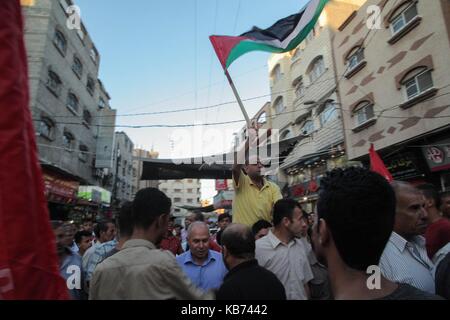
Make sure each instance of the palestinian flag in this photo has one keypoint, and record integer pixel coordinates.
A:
(285, 35)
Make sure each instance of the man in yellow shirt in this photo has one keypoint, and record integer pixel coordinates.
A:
(254, 195)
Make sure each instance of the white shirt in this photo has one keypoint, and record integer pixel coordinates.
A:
(407, 262)
(88, 254)
(288, 262)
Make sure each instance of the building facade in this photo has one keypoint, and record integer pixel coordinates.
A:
(139, 156)
(305, 104)
(396, 85)
(185, 192)
(123, 168)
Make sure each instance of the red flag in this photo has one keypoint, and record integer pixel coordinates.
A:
(28, 260)
(377, 165)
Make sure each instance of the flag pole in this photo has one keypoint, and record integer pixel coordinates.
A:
(238, 98)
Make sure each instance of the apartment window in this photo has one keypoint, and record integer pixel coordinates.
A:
(72, 102)
(68, 141)
(83, 154)
(328, 114)
(177, 190)
(417, 84)
(54, 83)
(279, 105)
(316, 69)
(300, 89)
(399, 22)
(101, 103)
(287, 134)
(46, 128)
(190, 201)
(308, 127)
(177, 210)
(59, 40)
(77, 67)
(90, 86)
(190, 181)
(177, 200)
(262, 119)
(189, 190)
(355, 58)
(164, 190)
(363, 113)
(124, 168)
(87, 117)
(276, 74)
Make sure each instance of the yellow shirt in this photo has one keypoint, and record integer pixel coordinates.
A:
(251, 204)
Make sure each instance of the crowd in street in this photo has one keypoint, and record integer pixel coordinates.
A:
(273, 250)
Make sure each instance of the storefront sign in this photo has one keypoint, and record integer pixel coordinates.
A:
(58, 189)
(404, 166)
(438, 156)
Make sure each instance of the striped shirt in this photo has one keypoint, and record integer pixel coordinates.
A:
(407, 262)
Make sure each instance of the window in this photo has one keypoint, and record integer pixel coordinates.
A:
(124, 168)
(403, 18)
(101, 103)
(177, 200)
(262, 118)
(363, 112)
(287, 134)
(276, 74)
(316, 69)
(308, 127)
(300, 89)
(164, 190)
(87, 117)
(90, 86)
(72, 103)
(190, 181)
(355, 58)
(45, 128)
(177, 190)
(418, 84)
(83, 154)
(93, 54)
(68, 141)
(189, 190)
(190, 200)
(77, 67)
(279, 105)
(54, 83)
(59, 40)
(328, 114)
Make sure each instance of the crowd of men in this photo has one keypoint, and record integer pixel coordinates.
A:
(273, 250)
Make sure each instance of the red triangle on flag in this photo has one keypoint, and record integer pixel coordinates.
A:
(377, 165)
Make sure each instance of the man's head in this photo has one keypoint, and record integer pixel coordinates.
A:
(192, 217)
(83, 239)
(432, 199)
(88, 225)
(198, 240)
(58, 231)
(253, 167)
(411, 218)
(355, 217)
(261, 229)
(224, 220)
(445, 204)
(238, 244)
(151, 210)
(288, 215)
(105, 231)
(125, 220)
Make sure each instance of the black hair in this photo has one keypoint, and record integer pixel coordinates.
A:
(240, 242)
(284, 208)
(261, 224)
(80, 234)
(198, 216)
(431, 193)
(148, 205)
(224, 216)
(125, 219)
(358, 206)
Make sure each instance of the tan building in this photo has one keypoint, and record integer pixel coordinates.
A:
(139, 156)
(185, 192)
(305, 104)
(395, 86)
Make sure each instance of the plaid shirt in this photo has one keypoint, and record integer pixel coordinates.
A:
(99, 254)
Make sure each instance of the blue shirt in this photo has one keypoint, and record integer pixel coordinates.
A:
(207, 276)
(71, 268)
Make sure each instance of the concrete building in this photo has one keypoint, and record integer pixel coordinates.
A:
(183, 193)
(396, 85)
(139, 156)
(305, 104)
(123, 168)
(68, 102)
